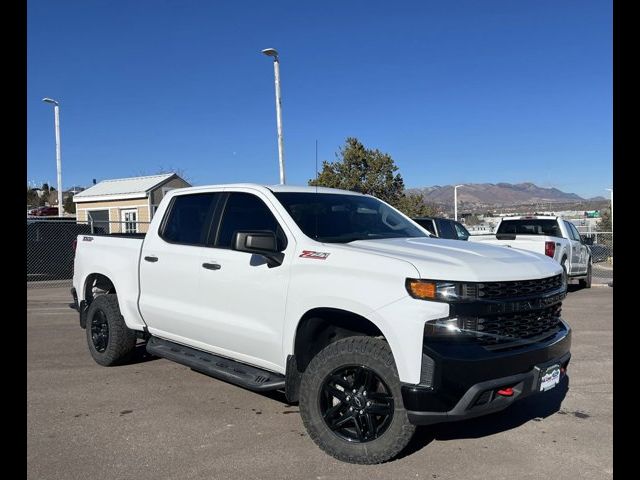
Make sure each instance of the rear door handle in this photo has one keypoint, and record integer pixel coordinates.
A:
(212, 266)
(151, 259)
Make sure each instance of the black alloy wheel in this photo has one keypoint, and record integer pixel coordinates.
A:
(356, 404)
(351, 401)
(100, 331)
(109, 339)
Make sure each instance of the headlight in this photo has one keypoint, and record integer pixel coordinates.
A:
(436, 290)
(443, 327)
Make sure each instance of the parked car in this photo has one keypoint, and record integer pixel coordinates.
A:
(334, 297)
(50, 248)
(44, 212)
(443, 227)
(548, 235)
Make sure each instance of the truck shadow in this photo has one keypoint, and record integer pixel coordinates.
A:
(533, 408)
(140, 354)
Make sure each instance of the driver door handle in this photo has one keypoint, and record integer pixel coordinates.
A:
(151, 259)
(212, 266)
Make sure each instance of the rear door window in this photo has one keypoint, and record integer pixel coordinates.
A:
(189, 219)
(573, 232)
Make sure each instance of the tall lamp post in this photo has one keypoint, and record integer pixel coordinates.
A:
(455, 201)
(272, 52)
(56, 121)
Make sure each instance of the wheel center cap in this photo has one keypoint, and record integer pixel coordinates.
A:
(358, 401)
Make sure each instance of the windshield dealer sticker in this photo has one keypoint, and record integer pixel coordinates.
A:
(316, 255)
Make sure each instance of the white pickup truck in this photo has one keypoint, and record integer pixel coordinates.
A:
(334, 297)
(548, 235)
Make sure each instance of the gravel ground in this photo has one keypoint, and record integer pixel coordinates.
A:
(157, 419)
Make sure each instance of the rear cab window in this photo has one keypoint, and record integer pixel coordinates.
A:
(532, 226)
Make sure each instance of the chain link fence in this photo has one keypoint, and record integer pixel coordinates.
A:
(601, 245)
(51, 246)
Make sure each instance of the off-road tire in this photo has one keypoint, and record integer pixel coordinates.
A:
(374, 354)
(121, 340)
(586, 282)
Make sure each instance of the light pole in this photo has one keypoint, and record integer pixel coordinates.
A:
(272, 52)
(56, 121)
(455, 201)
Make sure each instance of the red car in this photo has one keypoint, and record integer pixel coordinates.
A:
(44, 212)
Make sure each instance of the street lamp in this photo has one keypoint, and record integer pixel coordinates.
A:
(455, 201)
(272, 52)
(56, 121)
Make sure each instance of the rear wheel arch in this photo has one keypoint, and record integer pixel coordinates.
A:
(97, 284)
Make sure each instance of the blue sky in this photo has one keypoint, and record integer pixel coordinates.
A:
(455, 91)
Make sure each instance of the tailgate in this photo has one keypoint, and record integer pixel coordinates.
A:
(530, 243)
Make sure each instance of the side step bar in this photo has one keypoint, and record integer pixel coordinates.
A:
(252, 378)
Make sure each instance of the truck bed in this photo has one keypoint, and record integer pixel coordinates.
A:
(118, 257)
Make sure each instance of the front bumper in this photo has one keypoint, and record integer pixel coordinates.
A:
(466, 378)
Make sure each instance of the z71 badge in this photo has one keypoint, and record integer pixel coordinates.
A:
(312, 254)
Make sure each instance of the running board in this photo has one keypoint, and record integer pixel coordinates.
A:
(246, 376)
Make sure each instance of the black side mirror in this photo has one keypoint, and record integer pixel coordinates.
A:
(587, 240)
(262, 243)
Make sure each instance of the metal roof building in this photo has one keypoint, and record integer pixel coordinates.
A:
(124, 204)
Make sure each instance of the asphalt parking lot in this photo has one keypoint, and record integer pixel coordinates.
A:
(157, 419)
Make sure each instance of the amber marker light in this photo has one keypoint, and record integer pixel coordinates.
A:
(421, 289)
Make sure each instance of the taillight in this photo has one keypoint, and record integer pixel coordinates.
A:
(549, 249)
(75, 244)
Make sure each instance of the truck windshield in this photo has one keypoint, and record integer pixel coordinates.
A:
(531, 226)
(337, 218)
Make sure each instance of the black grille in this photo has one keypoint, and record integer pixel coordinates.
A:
(496, 329)
(514, 289)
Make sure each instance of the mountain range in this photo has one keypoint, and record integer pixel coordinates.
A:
(498, 194)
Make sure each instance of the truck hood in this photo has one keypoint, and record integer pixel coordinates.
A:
(456, 260)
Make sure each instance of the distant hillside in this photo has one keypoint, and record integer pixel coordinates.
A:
(497, 194)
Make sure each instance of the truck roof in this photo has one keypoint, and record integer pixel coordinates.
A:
(272, 188)
(534, 217)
